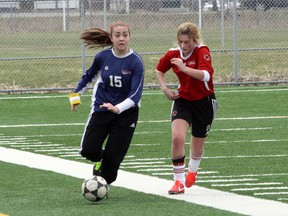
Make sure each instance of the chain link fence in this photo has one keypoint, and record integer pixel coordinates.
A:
(41, 48)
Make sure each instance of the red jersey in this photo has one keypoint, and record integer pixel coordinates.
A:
(189, 88)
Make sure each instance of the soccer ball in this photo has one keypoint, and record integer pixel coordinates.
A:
(95, 188)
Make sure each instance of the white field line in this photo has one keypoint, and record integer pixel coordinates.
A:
(259, 188)
(25, 144)
(8, 138)
(245, 175)
(246, 141)
(59, 151)
(151, 185)
(144, 93)
(271, 193)
(30, 146)
(247, 184)
(157, 121)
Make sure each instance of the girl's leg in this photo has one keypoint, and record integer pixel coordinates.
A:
(196, 154)
(179, 130)
(117, 145)
(94, 136)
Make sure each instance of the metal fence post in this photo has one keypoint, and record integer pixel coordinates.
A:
(82, 15)
(235, 42)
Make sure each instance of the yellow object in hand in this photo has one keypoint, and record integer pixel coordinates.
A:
(74, 98)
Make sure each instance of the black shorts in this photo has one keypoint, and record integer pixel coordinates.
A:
(116, 129)
(199, 114)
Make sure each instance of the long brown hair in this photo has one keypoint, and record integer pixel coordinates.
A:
(95, 37)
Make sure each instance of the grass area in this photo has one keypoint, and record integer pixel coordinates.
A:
(66, 72)
(47, 194)
(247, 144)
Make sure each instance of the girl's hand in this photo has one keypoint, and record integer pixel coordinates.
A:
(110, 107)
(73, 107)
(171, 95)
(75, 100)
(179, 63)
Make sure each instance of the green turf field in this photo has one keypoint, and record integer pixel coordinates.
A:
(246, 153)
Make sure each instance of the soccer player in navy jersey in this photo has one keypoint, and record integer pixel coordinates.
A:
(194, 103)
(119, 74)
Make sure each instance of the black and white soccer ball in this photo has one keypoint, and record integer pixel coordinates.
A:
(95, 188)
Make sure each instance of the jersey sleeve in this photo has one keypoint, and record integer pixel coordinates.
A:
(89, 75)
(135, 93)
(204, 60)
(164, 63)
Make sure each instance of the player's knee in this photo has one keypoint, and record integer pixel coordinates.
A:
(178, 139)
(90, 156)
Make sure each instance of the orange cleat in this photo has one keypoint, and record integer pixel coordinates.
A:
(178, 188)
(190, 179)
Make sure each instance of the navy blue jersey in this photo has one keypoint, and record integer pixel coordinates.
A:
(118, 78)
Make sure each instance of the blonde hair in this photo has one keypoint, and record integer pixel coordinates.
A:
(191, 30)
(96, 37)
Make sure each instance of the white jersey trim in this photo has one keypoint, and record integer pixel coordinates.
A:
(124, 105)
(122, 56)
(206, 76)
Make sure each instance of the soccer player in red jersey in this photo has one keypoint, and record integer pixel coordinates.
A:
(194, 102)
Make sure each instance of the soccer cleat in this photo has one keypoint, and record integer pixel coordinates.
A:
(178, 188)
(190, 179)
(97, 168)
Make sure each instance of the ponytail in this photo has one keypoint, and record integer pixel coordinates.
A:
(96, 38)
